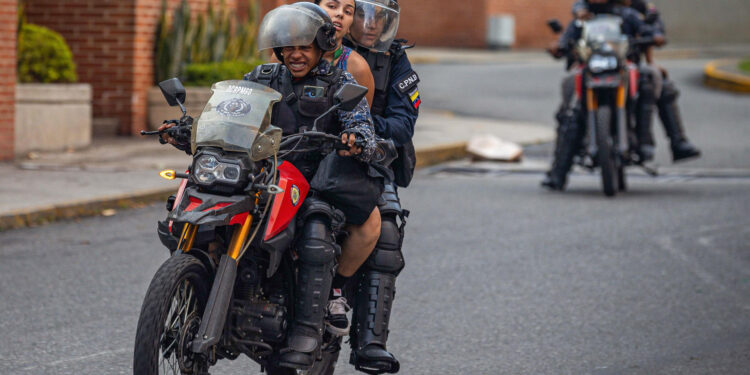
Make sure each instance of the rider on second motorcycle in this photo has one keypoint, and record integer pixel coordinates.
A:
(666, 90)
(570, 130)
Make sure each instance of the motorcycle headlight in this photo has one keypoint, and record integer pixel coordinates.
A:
(209, 169)
(601, 63)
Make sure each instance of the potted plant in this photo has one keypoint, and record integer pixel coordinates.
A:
(52, 111)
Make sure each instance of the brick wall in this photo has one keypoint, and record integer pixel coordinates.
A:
(531, 18)
(451, 23)
(7, 76)
(112, 43)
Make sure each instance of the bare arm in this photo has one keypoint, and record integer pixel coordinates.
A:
(361, 71)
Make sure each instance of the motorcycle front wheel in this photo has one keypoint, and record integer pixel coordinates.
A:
(170, 317)
(606, 145)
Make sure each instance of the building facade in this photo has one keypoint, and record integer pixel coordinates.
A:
(112, 40)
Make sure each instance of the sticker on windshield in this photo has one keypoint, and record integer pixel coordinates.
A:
(234, 107)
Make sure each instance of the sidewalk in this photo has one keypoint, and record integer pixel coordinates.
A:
(725, 74)
(119, 173)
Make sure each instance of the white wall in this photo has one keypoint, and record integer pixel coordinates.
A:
(706, 21)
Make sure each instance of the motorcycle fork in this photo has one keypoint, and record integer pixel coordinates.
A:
(622, 125)
(187, 237)
(214, 317)
(592, 104)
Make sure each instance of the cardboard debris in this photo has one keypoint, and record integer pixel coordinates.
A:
(490, 147)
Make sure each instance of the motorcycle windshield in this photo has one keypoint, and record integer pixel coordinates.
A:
(234, 115)
(603, 29)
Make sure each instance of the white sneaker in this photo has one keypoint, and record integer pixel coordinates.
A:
(336, 321)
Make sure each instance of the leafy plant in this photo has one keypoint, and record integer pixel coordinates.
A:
(43, 56)
(745, 65)
(207, 74)
(218, 35)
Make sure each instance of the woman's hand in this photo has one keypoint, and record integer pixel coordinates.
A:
(350, 139)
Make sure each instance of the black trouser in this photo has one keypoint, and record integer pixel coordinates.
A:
(570, 132)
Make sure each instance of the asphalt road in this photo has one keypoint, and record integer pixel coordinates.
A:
(716, 121)
(501, 278)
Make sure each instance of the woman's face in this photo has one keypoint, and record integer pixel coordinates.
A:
(367, 28)
(342, 15)
(301, 60)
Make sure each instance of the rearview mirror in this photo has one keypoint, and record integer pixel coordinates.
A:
(173, 91)
(349, 95)
(555, 25)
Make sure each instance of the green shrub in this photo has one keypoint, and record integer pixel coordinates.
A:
(745, 66)
(43, 56)
(210, 73)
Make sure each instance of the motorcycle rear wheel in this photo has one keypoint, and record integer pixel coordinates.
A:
(606, 150)
(170, 313)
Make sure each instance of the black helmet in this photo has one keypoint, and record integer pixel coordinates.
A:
(298, 24)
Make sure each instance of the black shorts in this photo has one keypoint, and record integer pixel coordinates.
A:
(349, 185)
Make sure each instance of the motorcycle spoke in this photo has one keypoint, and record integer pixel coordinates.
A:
(183, 304)
(172, 363)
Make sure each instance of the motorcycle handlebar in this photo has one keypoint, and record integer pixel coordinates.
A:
(335, 141)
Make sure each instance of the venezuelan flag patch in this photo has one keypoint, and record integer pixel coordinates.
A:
(416, 101)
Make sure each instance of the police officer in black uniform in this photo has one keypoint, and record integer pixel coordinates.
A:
(667, 93)
(394, 110)
(571, 130)
(299, 34)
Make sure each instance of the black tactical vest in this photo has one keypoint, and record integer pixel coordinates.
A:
(302, 100)
(380, 65)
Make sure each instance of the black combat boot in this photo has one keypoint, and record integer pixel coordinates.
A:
(372, 315)
(644, 115)
(315, 273)
(569, 138)
(669, 112)
(376, 289)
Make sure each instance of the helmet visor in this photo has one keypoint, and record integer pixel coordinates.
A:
(375, 24)
(288, 26)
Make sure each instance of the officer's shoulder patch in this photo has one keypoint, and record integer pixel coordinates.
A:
(408, 82)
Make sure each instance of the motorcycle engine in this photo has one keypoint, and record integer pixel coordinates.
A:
(264, 320)
(253, 316)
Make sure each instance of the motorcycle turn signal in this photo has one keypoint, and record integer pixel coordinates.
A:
(170, 174)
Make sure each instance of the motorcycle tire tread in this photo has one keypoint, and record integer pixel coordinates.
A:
(156, 306)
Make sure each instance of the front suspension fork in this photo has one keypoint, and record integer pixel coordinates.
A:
(215, 315)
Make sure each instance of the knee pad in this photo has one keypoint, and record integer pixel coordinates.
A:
(315, 206)
(387, 256)
(669, 93)
(389, 203)
(316, 246)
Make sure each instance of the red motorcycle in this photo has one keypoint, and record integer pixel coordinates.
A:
(606, 92)
(228, 288)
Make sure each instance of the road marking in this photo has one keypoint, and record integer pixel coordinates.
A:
(77, 359)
